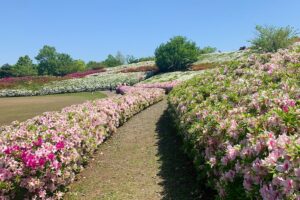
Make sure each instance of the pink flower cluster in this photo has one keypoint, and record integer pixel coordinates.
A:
(167, 86)
(42, 155)
(242, 126)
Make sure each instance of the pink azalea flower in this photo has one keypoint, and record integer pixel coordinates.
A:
(60, 145)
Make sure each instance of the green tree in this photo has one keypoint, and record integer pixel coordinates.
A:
(78, 66)
(50, 62)
(272, 38)
(177, 54)
(112, 61)
(64, 65)
(149, 58)
(131, 59)
(6, 71)
(95, 65)
(24, 67)
(207, 49)
(47, 60)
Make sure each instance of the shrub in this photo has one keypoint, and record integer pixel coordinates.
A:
(95, 65)
(207, 49)
(177, 54)
(28, 82)
(85, 73)
(24, 67)
(203, 66)
(131, 59)
(113, 61)
(40, 156)
(241, 126)
(271, 38)
(6, 71)
(172, 76)
(102, 81)
(140, 69)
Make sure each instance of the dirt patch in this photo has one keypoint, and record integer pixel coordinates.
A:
(143, 160)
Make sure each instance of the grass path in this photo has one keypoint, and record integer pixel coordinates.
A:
(142, 161)
(22, 108)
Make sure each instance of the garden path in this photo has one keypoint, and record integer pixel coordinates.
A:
(142, 161)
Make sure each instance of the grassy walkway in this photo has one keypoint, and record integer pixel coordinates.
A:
(22, 108)
(141, 161)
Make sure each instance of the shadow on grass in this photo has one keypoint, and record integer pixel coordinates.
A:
(177, 171)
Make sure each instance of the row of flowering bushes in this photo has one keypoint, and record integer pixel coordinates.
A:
(140, 69)
(85, 73)
(172, 76)
(167, 86)
(27, 82)
(40, 156)
(91, 83)
(241, 126)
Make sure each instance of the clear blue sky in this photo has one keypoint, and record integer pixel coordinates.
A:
(92, 29)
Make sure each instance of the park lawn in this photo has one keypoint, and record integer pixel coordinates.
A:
(22, 108)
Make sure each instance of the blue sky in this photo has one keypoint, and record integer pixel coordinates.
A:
(92, 29)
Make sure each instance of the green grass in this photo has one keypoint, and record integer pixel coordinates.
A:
(22, 108)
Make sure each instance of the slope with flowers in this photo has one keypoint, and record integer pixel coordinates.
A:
(240, 124)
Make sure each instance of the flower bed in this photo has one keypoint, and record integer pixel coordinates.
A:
(241, 126)
(172, 76)
(40, 156)
(168, 86)
(133, 65)
(28, 81)
(140, 69)
(221, 57)
(85, 73)
(92, 83)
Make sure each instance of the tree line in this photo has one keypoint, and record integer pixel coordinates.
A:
(52, 63)
(177, 54)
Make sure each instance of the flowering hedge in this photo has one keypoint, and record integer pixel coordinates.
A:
(27, 81)
(42, 155)
(172, 76)
(85, 73)
(102, 81)
(241, 125)
(221, 57)
(168, 86)
(140, 69)
(131, 66)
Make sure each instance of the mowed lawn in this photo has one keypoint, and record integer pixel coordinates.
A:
(22, 108)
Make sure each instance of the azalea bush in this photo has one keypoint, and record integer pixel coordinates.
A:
(32, 82)
(85, 73)
(168, 86)
(143, 64)
(241, 125)
(221, 57)
(171, 76)
(140, 69)
(102, 81)
(40, 156)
